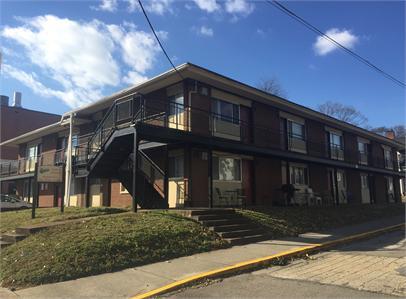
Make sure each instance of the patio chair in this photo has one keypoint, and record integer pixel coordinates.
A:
(223, 200)
(241, 198)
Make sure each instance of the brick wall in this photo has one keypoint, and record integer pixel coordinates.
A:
(268, 179)
(354, 186)
(316, 136)
(266, 117)
(118, 199)
(318, 178)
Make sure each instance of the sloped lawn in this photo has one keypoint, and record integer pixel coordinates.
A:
(10, 220)
(291, 221)
(102, 245)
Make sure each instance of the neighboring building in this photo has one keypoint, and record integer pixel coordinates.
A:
(15, 121)
(200, 139)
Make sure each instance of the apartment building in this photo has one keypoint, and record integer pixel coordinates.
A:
(195, 138)
(16, 120)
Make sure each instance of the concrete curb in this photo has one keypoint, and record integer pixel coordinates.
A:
(262, 262)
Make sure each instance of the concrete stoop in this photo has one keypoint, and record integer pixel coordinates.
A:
(234, 228)
(11, 238)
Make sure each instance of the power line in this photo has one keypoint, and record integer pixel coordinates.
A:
(329, 38)
(159, 42)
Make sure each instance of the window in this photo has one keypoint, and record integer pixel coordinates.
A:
(226, 111)
(123, 189)
(298, 175)
(336, 146)
(363, 152)
(226, 169)
(296, 130)
(176, 167)
(176, 105)
(388, 158)
(336, 141)
(44, 186)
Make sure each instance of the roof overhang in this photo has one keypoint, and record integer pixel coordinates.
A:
(189, 70)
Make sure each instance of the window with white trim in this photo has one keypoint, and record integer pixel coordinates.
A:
(226, 169)
(298, 175)
(296, 130)
(226, 111)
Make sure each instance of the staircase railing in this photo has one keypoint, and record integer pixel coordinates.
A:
(152, 172)
(122, 113)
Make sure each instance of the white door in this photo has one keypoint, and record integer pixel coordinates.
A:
(365, 193)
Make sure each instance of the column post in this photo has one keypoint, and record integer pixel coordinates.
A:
(135, 168)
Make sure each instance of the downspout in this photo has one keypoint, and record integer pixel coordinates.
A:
(68, 168)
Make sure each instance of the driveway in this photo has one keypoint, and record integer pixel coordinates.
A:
(373, 268)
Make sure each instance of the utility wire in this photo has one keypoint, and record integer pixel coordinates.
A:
(159, 42)
(329, 38)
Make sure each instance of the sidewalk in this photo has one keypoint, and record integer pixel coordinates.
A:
(134, 281)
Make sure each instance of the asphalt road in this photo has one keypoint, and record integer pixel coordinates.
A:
(374, 268)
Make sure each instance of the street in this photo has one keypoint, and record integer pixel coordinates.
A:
(374, 268)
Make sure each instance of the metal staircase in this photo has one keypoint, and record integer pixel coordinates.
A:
(109, 153)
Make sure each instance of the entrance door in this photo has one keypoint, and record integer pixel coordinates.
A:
(365, 191)
(337, 185)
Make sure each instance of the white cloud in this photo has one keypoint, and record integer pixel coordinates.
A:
(208, 5)
(206, 31)
(239, 7)
(158, 7)
(72, 98)
(323, 46)
(83, 58)
(108, 5)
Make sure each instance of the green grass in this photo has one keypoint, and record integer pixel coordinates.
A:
(102, 245)
(291, 221)
(10, 220)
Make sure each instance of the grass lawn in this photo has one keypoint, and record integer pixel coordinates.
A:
(10, 220)
(102, 245)
(291, 221)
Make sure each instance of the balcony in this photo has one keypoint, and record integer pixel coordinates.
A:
(202, 123)
(26, 166)
(336, 152)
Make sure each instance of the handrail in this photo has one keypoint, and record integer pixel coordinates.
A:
(158, 109)
(152, 162)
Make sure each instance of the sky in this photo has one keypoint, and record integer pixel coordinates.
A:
(64, 54)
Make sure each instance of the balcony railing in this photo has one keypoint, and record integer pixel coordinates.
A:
(27, 165)
(162, 113)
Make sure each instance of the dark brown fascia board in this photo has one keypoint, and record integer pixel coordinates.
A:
(190, 70)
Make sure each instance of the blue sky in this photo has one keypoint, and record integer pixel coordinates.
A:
(62, 54)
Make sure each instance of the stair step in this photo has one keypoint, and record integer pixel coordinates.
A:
(12, 237)
(241, 233)
(221, 222)
(216, 217)
(233, 227)
(248, 239)
(212, 212)
(5, 244)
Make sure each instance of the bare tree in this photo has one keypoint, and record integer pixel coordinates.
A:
(399, 131)
(343, 112)
(271, 86)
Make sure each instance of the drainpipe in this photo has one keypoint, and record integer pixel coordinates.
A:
(68, 168)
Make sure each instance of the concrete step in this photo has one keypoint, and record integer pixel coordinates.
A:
(5, 244)
(241, 233)
(212, 212)
(232, 227)
(248, 239)
(216, 217)
(12, 237)
(221, 222)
